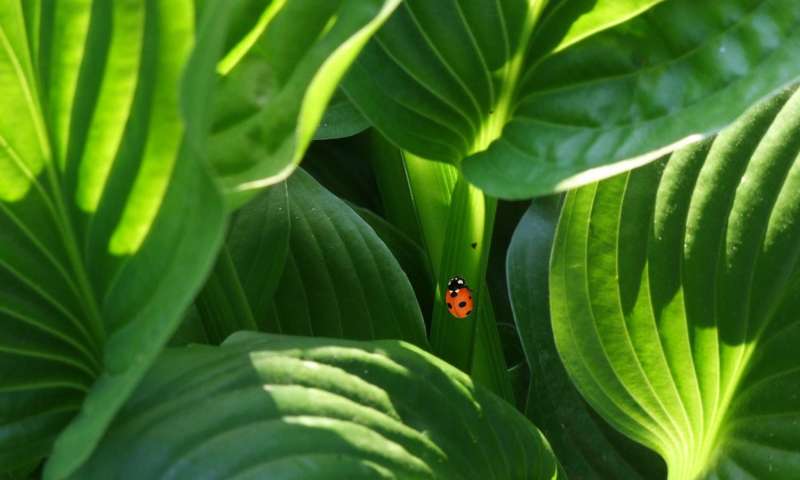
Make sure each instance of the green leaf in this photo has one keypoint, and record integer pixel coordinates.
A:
(409, 255)
(243, 282)
(675, 299)
(338, 278)
(397, 201)
(341, 119)
(585, 444)
(258, 242)
(529, 100)
(264, 406)
(222, 305)
(343, 167)
(456, 222)
(277, 81)
(108, 223)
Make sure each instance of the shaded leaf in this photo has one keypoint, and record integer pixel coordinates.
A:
(409, 255)
(337, 278)
(316, 408)
(585, 444)
(342, 119)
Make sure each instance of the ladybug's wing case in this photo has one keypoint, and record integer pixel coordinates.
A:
(459, 302)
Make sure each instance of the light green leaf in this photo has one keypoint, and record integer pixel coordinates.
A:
(334, 277)
(675, 300)
(277, 81)
(533, 97)
(108, 222)
(314, 409)
(455, 225)
(586, 446)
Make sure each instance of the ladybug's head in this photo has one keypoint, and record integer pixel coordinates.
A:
(456, 283)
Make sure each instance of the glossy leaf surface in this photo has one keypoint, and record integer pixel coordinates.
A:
(314, 409)
(338, 279)
(586, 446)
(529, 98)
(676, 294)
(108, 222)
(277, 81)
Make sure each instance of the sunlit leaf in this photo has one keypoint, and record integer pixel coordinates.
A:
(108, 222)
(276, 82)
(264, 406)
(533, 97)
(586, 446)
(676, 294)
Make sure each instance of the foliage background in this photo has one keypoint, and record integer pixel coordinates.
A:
(152, 205)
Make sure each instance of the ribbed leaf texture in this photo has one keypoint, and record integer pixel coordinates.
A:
(107, 222)
(586, 445)
(335, 277)
(264, 406)
(531, 97)
(676, 294)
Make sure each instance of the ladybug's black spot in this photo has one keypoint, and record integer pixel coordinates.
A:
(453, 294)
(462, 304)
(470, 297)
(468, 312)
(449, 306)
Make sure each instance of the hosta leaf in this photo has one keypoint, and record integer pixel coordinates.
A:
(409, 255)
(338, 278)
(264, 406)
(456, 223)
(258, 242)
(341, 119)
(530, 100)
(108, 222)
(586, 446)
(675, 300)
(276, 83)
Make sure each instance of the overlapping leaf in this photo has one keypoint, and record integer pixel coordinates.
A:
(341, 119)
(277, 81)
(265, 406)
(309, 265)
(586, 446)
(676, 298)
(107, 222)
(536, 97)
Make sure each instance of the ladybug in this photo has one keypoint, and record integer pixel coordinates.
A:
(458, 298)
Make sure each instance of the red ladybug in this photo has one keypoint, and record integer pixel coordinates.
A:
(458, 298)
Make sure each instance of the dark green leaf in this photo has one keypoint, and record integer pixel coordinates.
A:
(409, 255)
(267, 406)
(529, 100)
(258, 242)
(341, 119)
(339, 279)
(585, 444)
